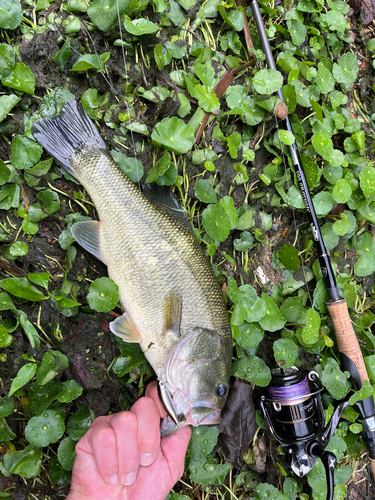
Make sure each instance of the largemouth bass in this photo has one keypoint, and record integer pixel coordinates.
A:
(172, 302)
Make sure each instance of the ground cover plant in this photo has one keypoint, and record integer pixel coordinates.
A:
(183, 98)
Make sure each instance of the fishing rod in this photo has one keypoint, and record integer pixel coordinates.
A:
(347, 342)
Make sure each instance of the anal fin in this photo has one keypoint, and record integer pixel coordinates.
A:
(124, 328)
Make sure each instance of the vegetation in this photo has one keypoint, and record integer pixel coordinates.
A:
(184, 100)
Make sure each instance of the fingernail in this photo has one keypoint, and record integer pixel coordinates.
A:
(147, 458)
(113, 479)
(129, 479)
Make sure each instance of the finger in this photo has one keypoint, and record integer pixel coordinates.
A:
(125, 426)
(174, 449)
(148, 417)
(152, 392)
(100, 441)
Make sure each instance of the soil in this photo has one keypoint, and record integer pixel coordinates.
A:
(90, 354)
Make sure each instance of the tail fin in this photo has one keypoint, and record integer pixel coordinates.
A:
(65, 135)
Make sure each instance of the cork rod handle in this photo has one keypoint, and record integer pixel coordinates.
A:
(346, 338)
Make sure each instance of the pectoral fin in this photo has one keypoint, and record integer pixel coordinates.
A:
(124, 327)
(87, 234)
(172, 313)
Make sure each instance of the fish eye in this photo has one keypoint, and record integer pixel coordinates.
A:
(221, 390)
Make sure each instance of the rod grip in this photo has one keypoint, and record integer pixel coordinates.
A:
(346, 338)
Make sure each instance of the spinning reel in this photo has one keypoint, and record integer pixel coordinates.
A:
(293, 413)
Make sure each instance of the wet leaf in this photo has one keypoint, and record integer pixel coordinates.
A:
(346, 69)
(27, 462)
(10, 14)
(131, 357)
(24, 152)
(5, 338)
(7, 60)
(41, 397)
(162, 165)
(285, 350)
(20, 287)
(91, 61)
(366, 249)
(273, 319)
(364, 392)
(310, 331)
(66, 453)
(335, 381)
(79, 423)
(53, 363)
(267, 81)
(6, 406)
(291, 309)
(324, 79)
(71, 391)
(41, 279)
(238, 424)
(252, 369)
(323, 203)
(57, 473)
(268, 491)
(20, 78)
(6, 433)
(104, 13)
(45, 429)
(103, 295)
(367, 180)
(216, 222)
(7, 103)
(24, 375)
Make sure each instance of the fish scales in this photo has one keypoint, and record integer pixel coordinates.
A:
(172, 301)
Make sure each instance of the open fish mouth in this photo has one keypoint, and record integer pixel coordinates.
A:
(201, 414)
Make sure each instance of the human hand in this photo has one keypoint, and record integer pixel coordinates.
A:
(123, 457)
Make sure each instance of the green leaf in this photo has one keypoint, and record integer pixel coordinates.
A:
(366, 249)
(285, 350)
(6, 433)
(235, 95)
(20, 287)
(288, 255)
(18, 249)
(364, 392)
(53, 363)
(71, 391)
(267, 81)
(162, 165)
(342, 191)
(322, 143)
(253, 369)
(24, 375)
(287, 137)
(234, 141)
(45, 429)
(370, 365)
(216, 222)
(174, 135)
(79, 423)
(245, 242)
(320, 297)
(5, 338)
(140, 26)
(6, 406)
(20, 78)
(91, 61)
(234, 18)
(205, 192)
(324, 79)
(132, 167)
(207, 99)
(298, 31)
(291, 309)
(7, 103)
(40, 397)
(104, 13)
(103, 295)
(7, 60)
(346, 69)
(273, 319)
(131, 357)
(249, 336)
(323, 203)
(335, 381)
(10, 14)
(27, 462)
(57, 473)
(228, 204)
(341, 227)
(24, 152)
(41, 279)
(367, 180)
(310, 331)
(66, 453)
(268, 491)
(331, 239)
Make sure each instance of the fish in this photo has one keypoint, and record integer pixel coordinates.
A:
(172, 302)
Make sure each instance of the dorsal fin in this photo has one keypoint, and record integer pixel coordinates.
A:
(164, 196)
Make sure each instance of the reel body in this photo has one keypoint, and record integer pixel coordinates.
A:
(293, 413)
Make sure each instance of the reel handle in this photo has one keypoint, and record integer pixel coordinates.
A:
(328, 458)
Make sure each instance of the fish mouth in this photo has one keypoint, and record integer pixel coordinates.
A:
(201, 413)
